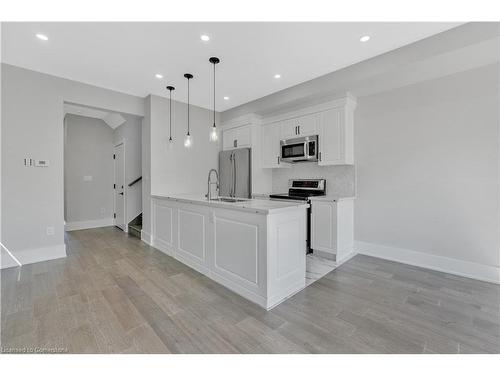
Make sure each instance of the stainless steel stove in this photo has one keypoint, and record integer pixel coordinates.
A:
(302, 190)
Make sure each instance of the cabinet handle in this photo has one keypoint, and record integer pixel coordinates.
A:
(235, 143)
(298, 129)
(320, 156)
(278, 160)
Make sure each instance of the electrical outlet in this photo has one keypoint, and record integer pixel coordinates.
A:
(50, 231)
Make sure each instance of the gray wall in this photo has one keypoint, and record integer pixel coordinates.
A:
(88, 151)
(340, 180)
(32, 126)
(428, 167)
(130, 133)
(176, 169)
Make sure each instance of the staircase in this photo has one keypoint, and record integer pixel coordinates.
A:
(135, 226)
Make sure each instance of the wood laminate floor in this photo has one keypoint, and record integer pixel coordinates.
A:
(115, 294)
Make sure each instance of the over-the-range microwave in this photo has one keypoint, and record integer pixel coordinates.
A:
(299, 149)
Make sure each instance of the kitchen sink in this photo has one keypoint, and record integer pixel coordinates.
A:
(229, 200)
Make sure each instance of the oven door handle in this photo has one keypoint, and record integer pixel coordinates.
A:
(306, 148)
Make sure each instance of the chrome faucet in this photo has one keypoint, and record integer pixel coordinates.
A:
(209, 183)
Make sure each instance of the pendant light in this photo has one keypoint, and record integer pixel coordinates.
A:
(213, 132)
(170, 88)
(187, 140)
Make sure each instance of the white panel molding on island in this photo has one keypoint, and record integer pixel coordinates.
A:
(258, 250)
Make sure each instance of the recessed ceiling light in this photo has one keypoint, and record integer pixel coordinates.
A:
(158, 75)
(277, 76)
(42, 37)
(205, 38)
(226, 98)
(364, 38)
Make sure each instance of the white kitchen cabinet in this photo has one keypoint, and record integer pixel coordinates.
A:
(299, 126)
(336, 136)
(271, 135)
(236, 137)
(258, 253)
(332, 227)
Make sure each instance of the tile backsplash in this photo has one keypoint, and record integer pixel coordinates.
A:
(340, 179)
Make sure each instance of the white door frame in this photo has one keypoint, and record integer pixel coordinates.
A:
(121, 142)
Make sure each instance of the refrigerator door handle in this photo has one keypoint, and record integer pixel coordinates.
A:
(234, 175)
(231, 174)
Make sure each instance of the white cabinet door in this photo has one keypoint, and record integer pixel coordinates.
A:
(271, 146)
(324, 226)
(307, 125)
(243, 136)
(289, 129)
(332, 137)
(228, 138)
(236, 138)
(299, 127)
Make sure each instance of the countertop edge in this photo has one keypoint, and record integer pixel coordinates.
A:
(229, 206)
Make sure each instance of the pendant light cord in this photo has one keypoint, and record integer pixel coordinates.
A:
(214, 95)
(170, 114)
(188, 107)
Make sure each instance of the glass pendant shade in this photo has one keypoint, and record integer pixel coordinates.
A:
(214, 136)
(188, 142)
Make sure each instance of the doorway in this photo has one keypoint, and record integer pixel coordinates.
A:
(119, 186)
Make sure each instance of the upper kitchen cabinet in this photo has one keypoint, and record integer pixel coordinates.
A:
(236, 137)
(271, 136)
(336, 134)
(299, 126)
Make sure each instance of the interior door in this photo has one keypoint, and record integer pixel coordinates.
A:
(119, 190)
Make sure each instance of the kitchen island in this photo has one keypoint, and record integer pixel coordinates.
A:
(257, 248)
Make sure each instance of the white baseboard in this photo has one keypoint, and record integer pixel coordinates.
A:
(146, 237)
(434, 262)
(40, 254)
(88, 224)
(346, 257)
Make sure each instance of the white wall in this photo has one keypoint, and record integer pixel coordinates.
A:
(32, 126)
(130, 132)
(176, 169)
(88, 152)
(428, 169)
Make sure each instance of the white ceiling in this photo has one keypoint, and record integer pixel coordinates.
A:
(126, 56)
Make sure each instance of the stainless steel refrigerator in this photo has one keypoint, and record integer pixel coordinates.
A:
(234, 173)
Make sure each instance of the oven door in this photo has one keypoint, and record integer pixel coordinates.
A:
(299, 149)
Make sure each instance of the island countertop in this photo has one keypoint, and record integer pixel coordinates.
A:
(259, 206)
